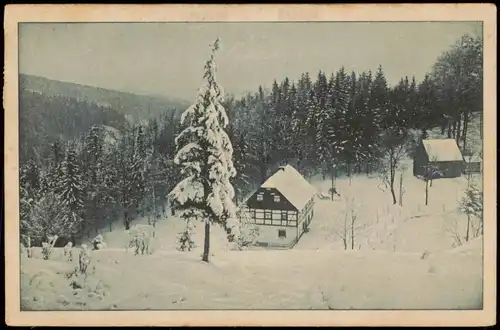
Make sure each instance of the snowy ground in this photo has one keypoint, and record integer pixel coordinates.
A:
(403, 259)
(285, 279)
(414, 227)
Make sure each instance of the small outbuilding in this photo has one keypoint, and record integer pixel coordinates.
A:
(282, 208)
(443, 154)
(472, 164)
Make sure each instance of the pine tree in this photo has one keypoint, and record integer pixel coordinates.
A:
(240, 157)
(93, 150)
(70, 191)
(205, 155)
(126, 172)
(29, 194)
(472, 205)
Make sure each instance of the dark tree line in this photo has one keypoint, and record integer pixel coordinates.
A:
(88, 183)
(348, 121)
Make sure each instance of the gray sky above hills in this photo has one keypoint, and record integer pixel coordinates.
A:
(168, 58)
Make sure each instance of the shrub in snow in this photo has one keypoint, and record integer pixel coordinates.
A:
(102, 245)
(97, 242)
(185, 238)
(47, 247)
(140, 237)
(68, 251)
(72, 273)
(248, 232)
(46, 250)
(84, 259)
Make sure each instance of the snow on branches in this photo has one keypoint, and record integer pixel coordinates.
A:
(205, 156)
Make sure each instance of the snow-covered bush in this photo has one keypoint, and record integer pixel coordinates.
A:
(97, 242)
(68, 251)
(248, 232)
(140, 237)
(46, 250)
(185, 238)
(47, 247)
(472, 205)
(84, 259)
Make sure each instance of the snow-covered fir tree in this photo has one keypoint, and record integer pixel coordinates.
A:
(472, 205)
(205, 155)
(248, 232)
(93, 152)
(70, 191)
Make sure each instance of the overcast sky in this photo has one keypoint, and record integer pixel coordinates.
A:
(168, 58)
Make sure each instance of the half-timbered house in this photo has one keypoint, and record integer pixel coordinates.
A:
(282, 208)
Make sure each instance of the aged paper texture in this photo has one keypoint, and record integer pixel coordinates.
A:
(371, 274)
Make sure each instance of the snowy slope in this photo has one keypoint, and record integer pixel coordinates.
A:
(286, 279)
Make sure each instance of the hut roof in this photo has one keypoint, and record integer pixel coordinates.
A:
(443, 150)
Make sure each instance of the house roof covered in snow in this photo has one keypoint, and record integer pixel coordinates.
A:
(289, 182)
(442, 150)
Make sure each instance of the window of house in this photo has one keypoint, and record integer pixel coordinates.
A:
(267, 217)
(276, 198)
(281, 233)
(284, 218)
(260, 197)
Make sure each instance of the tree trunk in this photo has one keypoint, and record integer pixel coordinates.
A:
(126, 220)
(206, 245)
(401, 190)
(454, 129)
(466, 127)
(333, 182)
(352, 232)
(459, 130)
(449, 131)
(394, 200)
(392, 175)
(344, 237)
(29, 249)
(349, 172)
(468, 228)
(426, 191)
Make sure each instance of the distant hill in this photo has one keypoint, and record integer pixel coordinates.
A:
(131, 105)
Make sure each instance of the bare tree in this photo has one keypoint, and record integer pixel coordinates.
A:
(452, 228)
(401, 188)
(349, 228)
(393, 152)
(431, 171)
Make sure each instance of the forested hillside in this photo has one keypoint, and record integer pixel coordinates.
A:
(134, 105)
